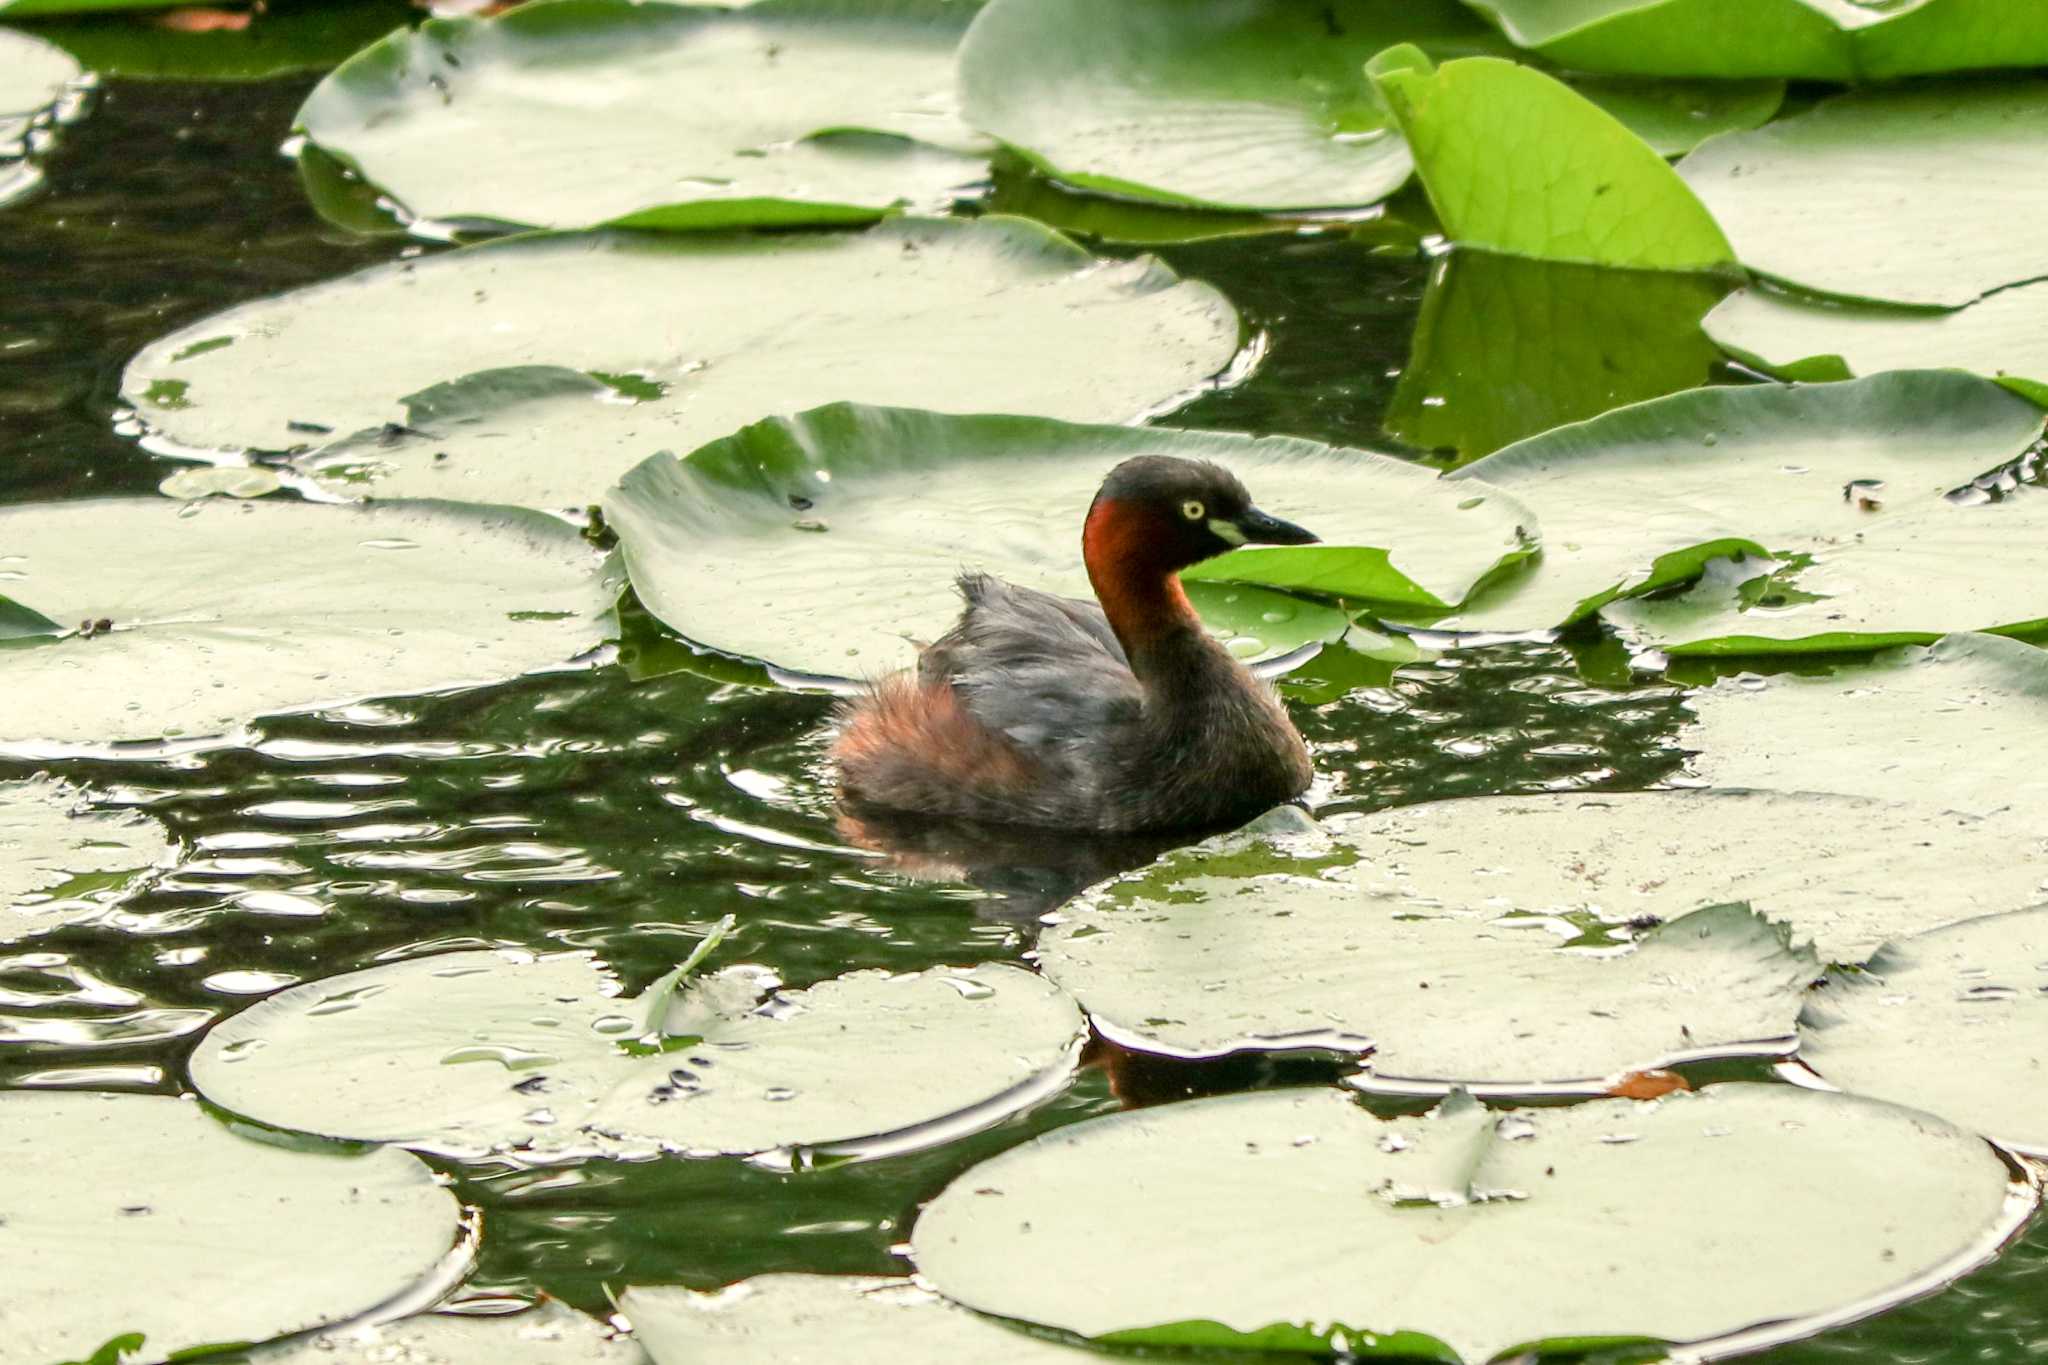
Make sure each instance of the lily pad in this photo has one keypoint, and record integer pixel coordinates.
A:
(1946, 723)
(1920, 196)
(993, 315)
(2002, 337)
(1516, 161)
(186, 641)
(1295, 1218)
(1241, 106)
(1646, 496)
(271, 43)
(547, 1335)
(134, 1194)
(1244, 944)
(1954, 1021)
(33, 77)
(1844, 873)
(1507, 347)
(575, 113)
(477, 1052)
(1816, 39)
(828, 543)
(855, 1319)
(63, 863)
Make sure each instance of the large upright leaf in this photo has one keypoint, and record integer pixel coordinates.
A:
(1516, 161)
(479, 1052)
(1507, 347)
(576, 113)
(148, 1216)
(1293, 1218)
(62, 863)
(695, 335)
(1252, 105)
(2003, 336)
(1820, 39)
(828, 543)
(1949, 725)
(1809, 480)
(1241, 945)
(1954, 1022)
(182, 636)
(1923, 196)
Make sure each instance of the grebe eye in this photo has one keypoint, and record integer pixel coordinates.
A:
(1192, 510)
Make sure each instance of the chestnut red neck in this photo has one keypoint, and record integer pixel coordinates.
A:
(1139, 587)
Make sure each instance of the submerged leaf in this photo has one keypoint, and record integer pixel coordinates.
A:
(479, 1052)
(136, 1193)
(828, 543)
(544, 367)
(1296, 1209)
(63, 863)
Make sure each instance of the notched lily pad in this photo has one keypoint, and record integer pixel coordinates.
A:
(855, 1319)
(1273, 1217)
(1954, 1022)
(586, 112)
(478, 1052)
(135, 1193)
(535, 371)
(185, 641)
(827, 543)
(1243, 943)
(64, 863)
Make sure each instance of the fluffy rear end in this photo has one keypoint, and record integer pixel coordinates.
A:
(911, 745)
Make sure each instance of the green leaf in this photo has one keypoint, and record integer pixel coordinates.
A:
(1814, 476)
(1256, 105)
(1920, 196)
(1938, 724)
(1507, 347)
(2003, 336)
(377, 601)
(1298, 1207)
(866, 1320)
(829, 542)
(22, 623)
(1516, 161)
(998, 314)
(63, 863)
(275, 42)
(1954, 1022)
(576, 113)
(133, 1193)
(472, 1053)
(1814, 39)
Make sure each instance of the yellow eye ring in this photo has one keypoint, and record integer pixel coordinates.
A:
(1192, 510)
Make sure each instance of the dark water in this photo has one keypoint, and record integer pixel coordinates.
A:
(590, 810)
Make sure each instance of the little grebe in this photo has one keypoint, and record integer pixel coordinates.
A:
(1043, 710)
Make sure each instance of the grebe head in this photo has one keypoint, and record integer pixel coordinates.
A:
(1156, 514)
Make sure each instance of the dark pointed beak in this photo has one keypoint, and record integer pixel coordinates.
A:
(1259, 528)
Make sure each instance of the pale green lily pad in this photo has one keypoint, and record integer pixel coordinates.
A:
(2002, 337)
(190, 1235)
(220, 481)
(1954, 1022)
(33, 76)
(1244, 944)
(828, 543)
(1817, 39)
(1676, 116)
(62, 862)
(996, 315)
(1507, 347)
(1516, 161)
(546, 1335)
(1844, 873)
(186, 641)
(1921, 196)
(478, 1052)
(576, 113)
(851, 1319)
(1298, 1219)
(1244, 106)
(1948, 724)
(1644, 497)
